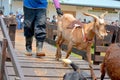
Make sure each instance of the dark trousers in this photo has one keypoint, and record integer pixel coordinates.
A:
(35, 23)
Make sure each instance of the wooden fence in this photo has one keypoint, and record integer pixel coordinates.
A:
(99, 45)
(8, 46)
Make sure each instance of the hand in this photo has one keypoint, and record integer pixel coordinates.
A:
(59, 12)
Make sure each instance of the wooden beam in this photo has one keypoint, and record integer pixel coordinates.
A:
(12, 52)
(12, 31)
(99, 58)
(4, 46)
(101, 48)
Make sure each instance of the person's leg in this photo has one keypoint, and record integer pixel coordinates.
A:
(28, 29)
(40, 30)
(19, 26)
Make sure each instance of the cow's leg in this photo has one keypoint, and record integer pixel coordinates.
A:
(58, 44)
(102, 71)
(90, 63)
(69, 49)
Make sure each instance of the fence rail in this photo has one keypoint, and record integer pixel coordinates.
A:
(10, 48)
(99, 46)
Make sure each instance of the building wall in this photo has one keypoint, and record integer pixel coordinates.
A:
(18, 6)
(78, 10)
(6, 5)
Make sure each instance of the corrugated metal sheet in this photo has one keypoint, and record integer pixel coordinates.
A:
(94, 3)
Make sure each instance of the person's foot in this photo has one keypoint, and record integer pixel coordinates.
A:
(39, 46)
(40, 54)
(27, 53)
(28, 46)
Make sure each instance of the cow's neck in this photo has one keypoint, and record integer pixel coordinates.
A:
(89, 31)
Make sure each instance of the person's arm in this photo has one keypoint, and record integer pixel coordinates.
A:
(57, 6)
(56, 3)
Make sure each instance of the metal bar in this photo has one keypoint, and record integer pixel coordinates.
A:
(14, 60)
(4, 46)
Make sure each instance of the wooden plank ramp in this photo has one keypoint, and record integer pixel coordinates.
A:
(46, 68)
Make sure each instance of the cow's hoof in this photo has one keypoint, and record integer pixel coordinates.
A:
(94, 78)
(65, 65)
(57, 59)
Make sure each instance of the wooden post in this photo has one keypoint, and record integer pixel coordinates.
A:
(95, 53)
(118, 36)
(14, 59)
(4, 46)
(12, 31)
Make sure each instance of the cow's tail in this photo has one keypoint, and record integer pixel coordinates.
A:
(73, 65)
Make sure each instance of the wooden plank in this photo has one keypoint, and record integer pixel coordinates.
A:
(96, 54)
(101, 48)
(4, 47)
(6, 77)
(41, 72)
(47, 78)
(100, 79)
(99, 58)
(37, 78)
(10, 48)
(51, 66)
(49, 59)
(50, 62)
(47, 68)
(87, 74)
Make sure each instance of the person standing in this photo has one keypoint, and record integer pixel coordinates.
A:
(35, 23)
(54, 19)
(18, 19)
(1, 14)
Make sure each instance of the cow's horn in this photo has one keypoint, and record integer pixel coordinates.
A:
(94, 16)
(87, 14)
(102, 15)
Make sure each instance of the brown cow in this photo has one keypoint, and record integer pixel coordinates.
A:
(80, 36)
(111, 62)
